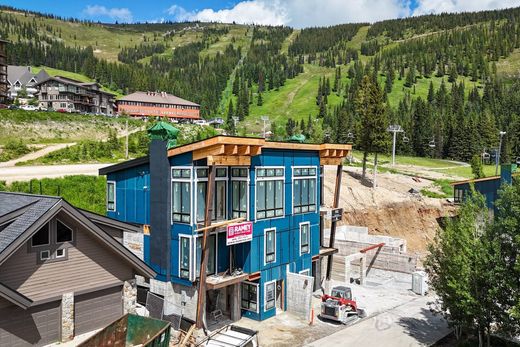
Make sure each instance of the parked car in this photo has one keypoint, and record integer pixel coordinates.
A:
(3, 106)
(13, 107)
(200, 122)
(29, 108)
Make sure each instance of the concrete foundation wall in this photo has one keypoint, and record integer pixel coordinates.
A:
(299, 295)
(178, 299)
(135, 243)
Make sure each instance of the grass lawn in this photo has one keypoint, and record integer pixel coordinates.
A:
(510, 66)
(386, 159)
(86, 192)
(465, 171)
(238, 35)
(106, 41)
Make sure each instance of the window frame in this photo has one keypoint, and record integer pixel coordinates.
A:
(307, 178)
(64, 256)
(265, 295)
(265, 246)
(48, 226)
(111, 182)
(190, 257)
(56, 232)
(458, 195)
(196, 261)
(240, 179)
(251, 284)
(308, 236)
(188, 180)
(41, 253)
(305, 272)
(197, 180)
(266, 179)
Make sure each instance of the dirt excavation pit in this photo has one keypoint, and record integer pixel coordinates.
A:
(390, 209)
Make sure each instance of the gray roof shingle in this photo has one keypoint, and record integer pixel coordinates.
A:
(10, 202)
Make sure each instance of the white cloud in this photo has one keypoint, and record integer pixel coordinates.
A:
(298, 13)
(119, 14)
(305, 13)
(438, 6)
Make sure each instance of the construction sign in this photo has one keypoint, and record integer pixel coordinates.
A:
(239, 233)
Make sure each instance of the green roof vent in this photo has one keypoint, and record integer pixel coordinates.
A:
(297, 138)
(164, 131)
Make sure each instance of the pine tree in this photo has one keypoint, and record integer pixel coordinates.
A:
(371, 109)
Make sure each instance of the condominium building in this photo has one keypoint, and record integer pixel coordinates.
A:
(66, 94)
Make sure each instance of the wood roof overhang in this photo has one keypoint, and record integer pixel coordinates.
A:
(231, 150)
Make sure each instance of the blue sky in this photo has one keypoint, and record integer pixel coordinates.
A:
(296, 13)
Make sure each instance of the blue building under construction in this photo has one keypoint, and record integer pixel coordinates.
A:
(245, 209)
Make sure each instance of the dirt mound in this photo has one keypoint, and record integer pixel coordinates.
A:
(390, 209)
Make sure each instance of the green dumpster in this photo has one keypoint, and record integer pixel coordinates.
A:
(132, 330)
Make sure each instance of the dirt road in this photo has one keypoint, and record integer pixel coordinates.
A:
(25, 173)
(36, 154)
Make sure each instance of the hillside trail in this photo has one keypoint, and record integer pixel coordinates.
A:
(46, 149)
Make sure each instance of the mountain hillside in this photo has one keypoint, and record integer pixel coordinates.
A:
(442, 75)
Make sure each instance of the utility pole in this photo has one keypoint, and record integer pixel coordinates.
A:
(126, 140)
(502, 133)
(235, 121)
(394, 129)
(265, 119)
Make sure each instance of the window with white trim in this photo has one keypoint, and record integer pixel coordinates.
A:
(269, 295)
(239, 193)
(61, 253)
(270, 245)
(111, 196)
(184, 257)
(45, 255)
(212, 253)
(305, 231)
(269, 192)
(181, 195)
(304, 189)
(249, 296)
(458, 195)
(219, 194)
(305, 272)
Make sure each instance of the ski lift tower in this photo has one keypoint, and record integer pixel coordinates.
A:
(394, 129)
(501, 133)
(265, 119)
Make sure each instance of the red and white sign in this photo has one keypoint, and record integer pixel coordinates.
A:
(239, 233)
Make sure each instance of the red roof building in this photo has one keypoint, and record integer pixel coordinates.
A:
(158, 104)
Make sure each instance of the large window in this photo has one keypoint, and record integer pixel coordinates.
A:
(41, 238)
(219, 194)
(269, 192)
(181, 195)
(63, 232)
(305, 231)
(304, 189)
(239, 192)
(212, 252)
(184, 252)
(111, 196)
(270, 245)
(250, 296)
(270, 295)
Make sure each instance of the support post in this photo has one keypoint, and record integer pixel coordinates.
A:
(201, 299)
(337, 190)
(362, 269)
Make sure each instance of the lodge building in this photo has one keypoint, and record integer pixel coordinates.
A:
(271, 190)
(158, 104)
